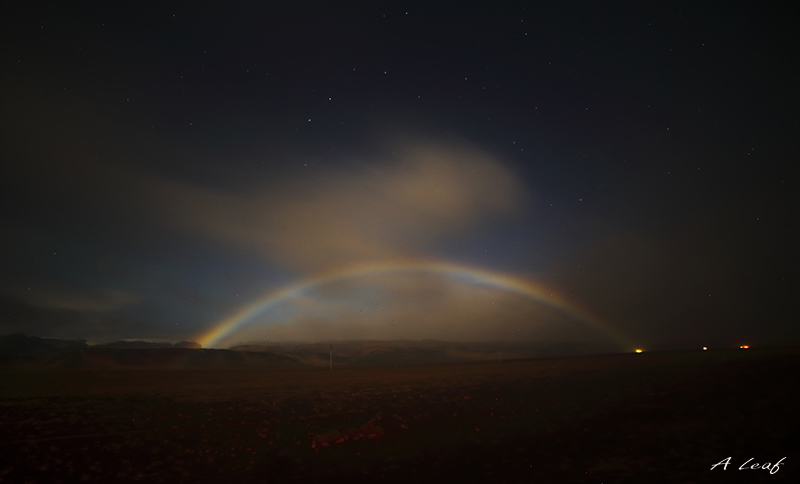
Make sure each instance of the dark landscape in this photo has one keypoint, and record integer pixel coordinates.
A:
(127, 415)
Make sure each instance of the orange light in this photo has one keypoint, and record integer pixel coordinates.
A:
(638, 350)
(744, 347)
(705, 348)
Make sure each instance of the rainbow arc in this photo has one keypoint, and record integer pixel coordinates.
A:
(531, 290)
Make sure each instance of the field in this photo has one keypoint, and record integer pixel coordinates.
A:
(651, 417)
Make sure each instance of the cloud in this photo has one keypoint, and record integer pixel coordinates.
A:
(397, 207)
(81, 300)
(398, 204)
(69, 313)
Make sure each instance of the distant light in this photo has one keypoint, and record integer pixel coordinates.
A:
(638, 350)
(705, 348)
(744, 347)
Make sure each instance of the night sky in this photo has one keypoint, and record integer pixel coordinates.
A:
(539, 171)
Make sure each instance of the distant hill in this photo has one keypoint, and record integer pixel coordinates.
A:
(167, 359)
(18, 350)
(19, 345)
(409, 352)
(147, 344)
(358, 353)
(259, 348)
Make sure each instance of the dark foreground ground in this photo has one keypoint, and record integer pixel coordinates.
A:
(647, 418)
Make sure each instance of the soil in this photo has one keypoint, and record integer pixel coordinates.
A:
(651, 417)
